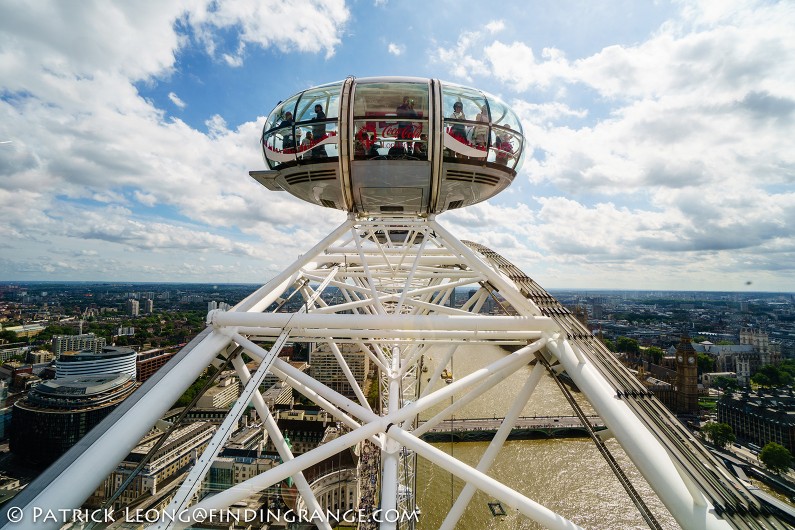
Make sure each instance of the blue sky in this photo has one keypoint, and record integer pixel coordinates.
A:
(661, 134)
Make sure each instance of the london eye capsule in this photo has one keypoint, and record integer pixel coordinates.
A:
(391, 146)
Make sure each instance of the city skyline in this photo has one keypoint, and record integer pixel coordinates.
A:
(657, 135)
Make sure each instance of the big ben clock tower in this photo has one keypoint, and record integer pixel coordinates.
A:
(686, 377)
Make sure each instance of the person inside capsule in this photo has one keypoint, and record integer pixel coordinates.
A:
(458, 130)
(406, 110)
(319, 131)
(288, 141)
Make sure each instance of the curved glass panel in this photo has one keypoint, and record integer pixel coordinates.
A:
(464, 110)
(279, 137)
(317, 115)
(506, 139)
(390, 121)
(505, 147)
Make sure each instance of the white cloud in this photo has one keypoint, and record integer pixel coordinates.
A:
(691, 126)
(303, 25)
(86, 145)
(459, 59)
(396, 49)
(147, 199)
(175, 100)
(667, 159)
(495, 26)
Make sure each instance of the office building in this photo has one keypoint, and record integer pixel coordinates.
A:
(133, 307)
(150, 361)
(324, 367)
(221, 395)
(174, 457)
(760, 417)
(84, 341)
(56, 414)
(110, 360)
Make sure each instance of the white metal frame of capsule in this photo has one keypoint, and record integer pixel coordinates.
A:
(391, 145)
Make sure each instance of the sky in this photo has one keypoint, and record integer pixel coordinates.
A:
(661, 134)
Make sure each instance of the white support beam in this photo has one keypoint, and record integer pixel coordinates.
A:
(377, 323)
(526, 506)
(457, 510)
(260, 299)
(280, 443)
(389, 454)
(639, 443)
(93, 463)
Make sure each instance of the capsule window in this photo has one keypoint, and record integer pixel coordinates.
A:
(391, 120)
(280, 139)
(466, 118)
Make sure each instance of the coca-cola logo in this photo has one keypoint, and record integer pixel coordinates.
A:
(408, 130)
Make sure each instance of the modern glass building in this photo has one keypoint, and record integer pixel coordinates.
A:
(391, 145)
(57, 414)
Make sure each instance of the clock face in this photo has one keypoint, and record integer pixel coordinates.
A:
(691, 360)
(679, 358)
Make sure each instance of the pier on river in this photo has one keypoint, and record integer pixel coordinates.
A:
(524, 428)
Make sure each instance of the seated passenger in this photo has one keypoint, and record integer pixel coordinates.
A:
(421, 147)
(504, 147)
(307, 142)
(397, 150)
(374, 147)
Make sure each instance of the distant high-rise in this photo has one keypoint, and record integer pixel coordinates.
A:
(149, 306)
(133, 307)
(324, 367)
(85, 341)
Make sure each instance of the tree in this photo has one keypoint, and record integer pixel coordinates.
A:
(7, 336)
(775, 457)
(720, 434)
(725, 383)
(655, 354)
(705, 363)
(627, 345)
(761, 379)
(772, 376)
(610, 344)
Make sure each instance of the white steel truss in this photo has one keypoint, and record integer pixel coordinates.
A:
(383, 287)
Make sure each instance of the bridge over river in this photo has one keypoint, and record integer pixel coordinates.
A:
(524, 428)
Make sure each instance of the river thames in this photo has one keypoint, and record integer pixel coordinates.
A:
(568, 476)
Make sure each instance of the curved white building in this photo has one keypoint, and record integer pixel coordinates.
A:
(110, 360)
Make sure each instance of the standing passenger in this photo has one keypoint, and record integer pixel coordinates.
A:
(319, 130)
(458, 130)
(406, 110)
(479, 136)
(287, 137)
